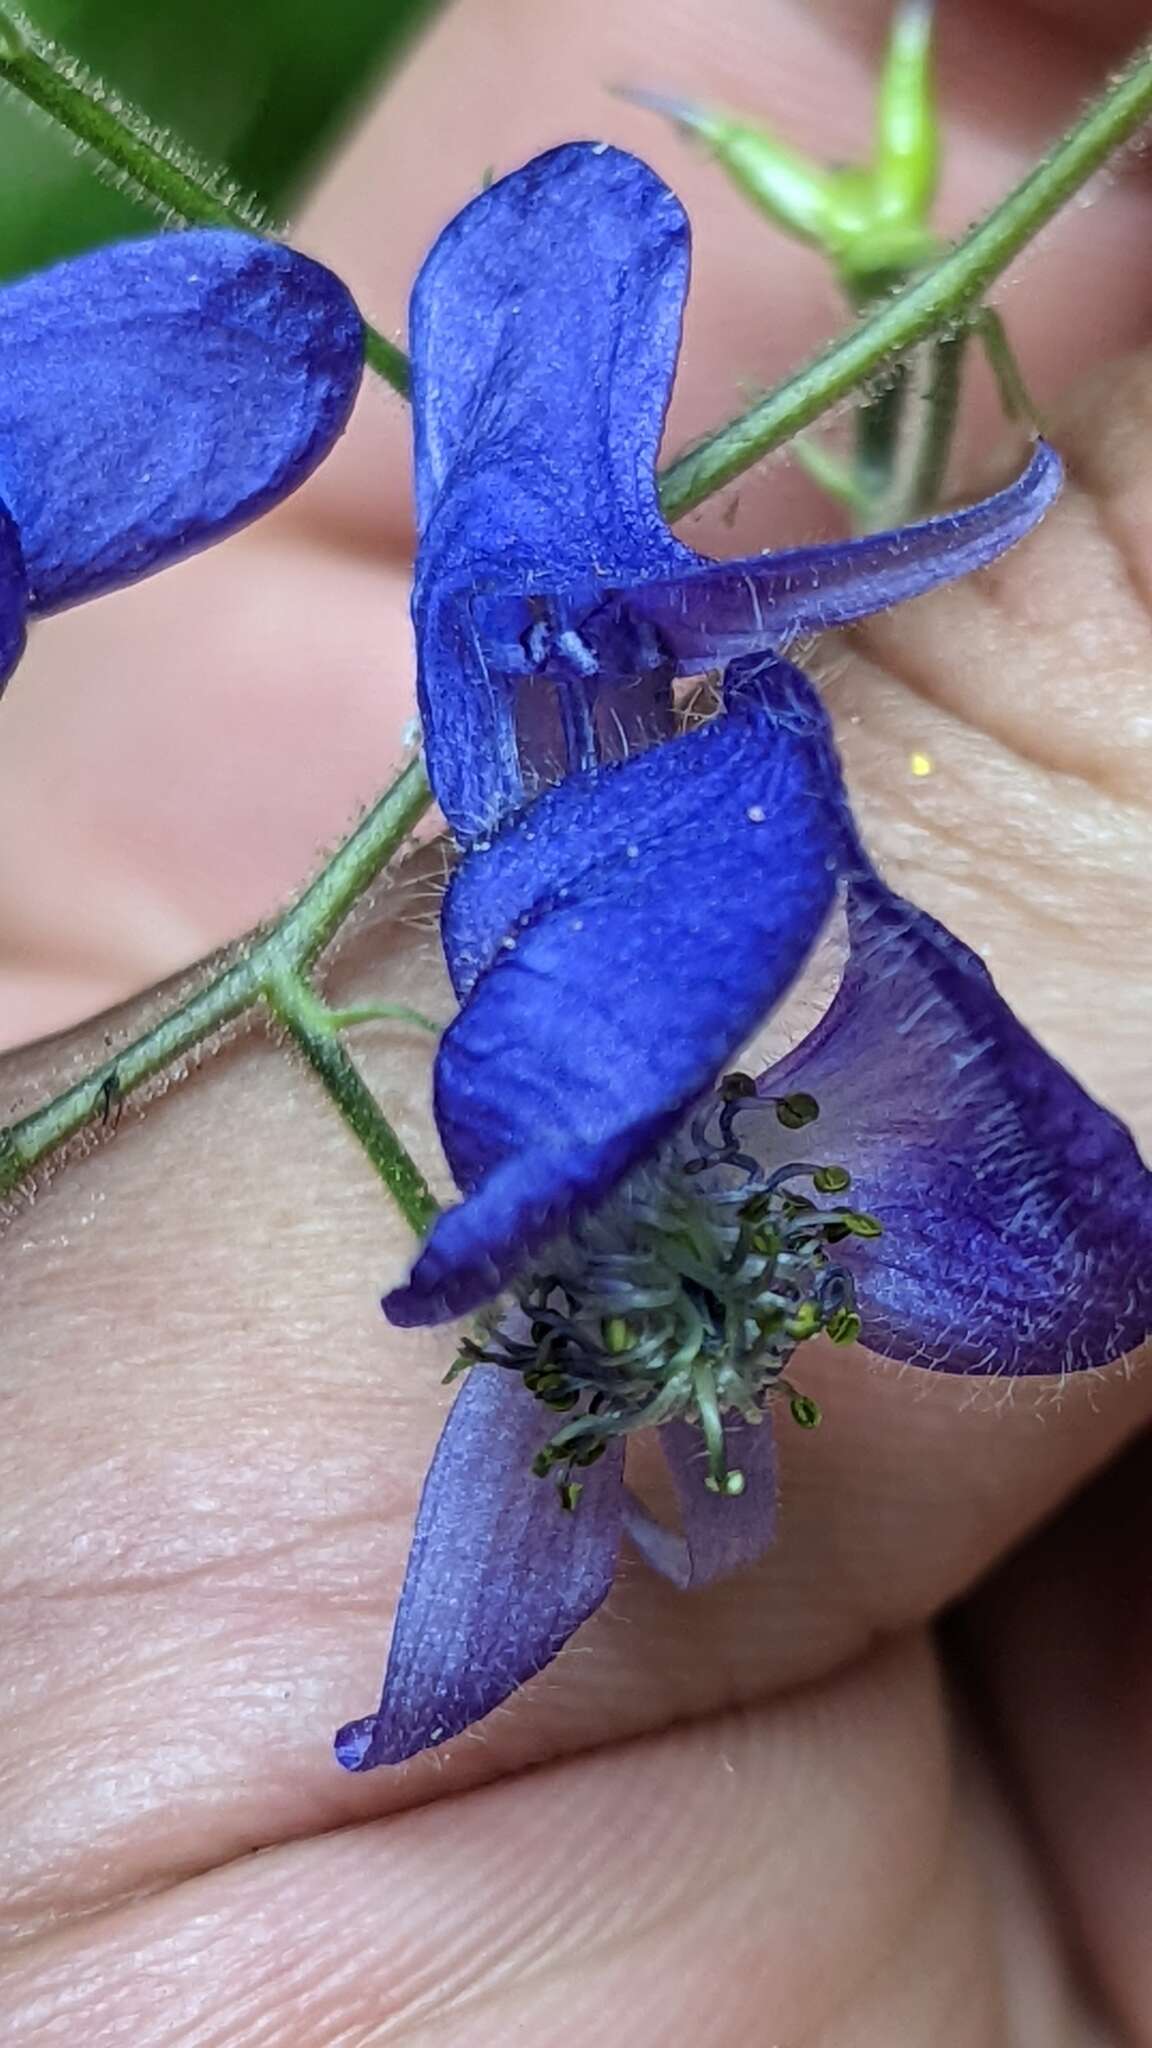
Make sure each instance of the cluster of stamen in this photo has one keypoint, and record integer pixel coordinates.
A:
(685, 1296)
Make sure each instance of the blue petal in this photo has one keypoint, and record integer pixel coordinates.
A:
(155, 395)
(13, 596)
(620, 941)
(1017, 1213)
(544, 327)
(720, 1532)
(713, 612)
(499, 1575)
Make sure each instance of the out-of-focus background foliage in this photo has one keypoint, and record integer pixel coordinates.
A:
(260, 86)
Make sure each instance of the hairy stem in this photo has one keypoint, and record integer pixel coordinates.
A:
(251, 972)
(156, 168)
(291, 1000)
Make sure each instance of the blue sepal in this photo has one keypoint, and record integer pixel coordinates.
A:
(155, 395)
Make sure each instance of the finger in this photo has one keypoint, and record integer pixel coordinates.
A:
(1064, 1651)
(809, 1865)
(213, 1458)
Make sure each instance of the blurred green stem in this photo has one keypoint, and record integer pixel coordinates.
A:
(934, 302)
(159, 170)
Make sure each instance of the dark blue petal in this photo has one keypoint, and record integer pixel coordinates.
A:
(1017, 1213)
(13, 596)
(544, 328)
(498, 1578)
(155, 395)
(620, 941)
(715, 611)
(720, 1532)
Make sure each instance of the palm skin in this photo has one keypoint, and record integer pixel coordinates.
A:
(792, 1810)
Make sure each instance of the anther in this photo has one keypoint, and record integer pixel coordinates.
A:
(794, 1111)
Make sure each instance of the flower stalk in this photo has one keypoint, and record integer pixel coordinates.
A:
(315, 1032)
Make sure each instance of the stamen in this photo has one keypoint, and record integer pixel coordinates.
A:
(686, 1295)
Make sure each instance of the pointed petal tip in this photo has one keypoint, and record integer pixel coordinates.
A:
(683, 112)
(1043, 478)
(353, 1742)
(372, 1742)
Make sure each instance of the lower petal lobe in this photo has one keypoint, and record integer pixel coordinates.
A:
(498, 1578)
(1017, 1213)
(719, 1532)
(616, 944)
(155, 395)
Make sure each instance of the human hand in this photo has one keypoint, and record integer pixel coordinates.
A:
(752, 1817)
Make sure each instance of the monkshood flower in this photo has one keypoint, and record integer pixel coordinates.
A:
(632, 902)
(155, 395)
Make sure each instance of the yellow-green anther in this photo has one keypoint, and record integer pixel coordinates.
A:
(906, 165)
(860, 1224)
(618, 1335)
(791, 188)
(805, 1411)
(794, 1111)
(737, 1087)
(831, 1180)
(843, 1326)
(803, 1322)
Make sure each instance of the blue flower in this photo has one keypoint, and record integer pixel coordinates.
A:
(154, 396)
(632, 902)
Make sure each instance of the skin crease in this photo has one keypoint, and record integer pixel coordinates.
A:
(787, 1812)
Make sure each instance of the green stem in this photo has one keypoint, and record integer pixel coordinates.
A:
(294, 1003)
(164, 174)
(252, 969)
(878, 423)
(1015, 396)
(941, 406)
(933, 302)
